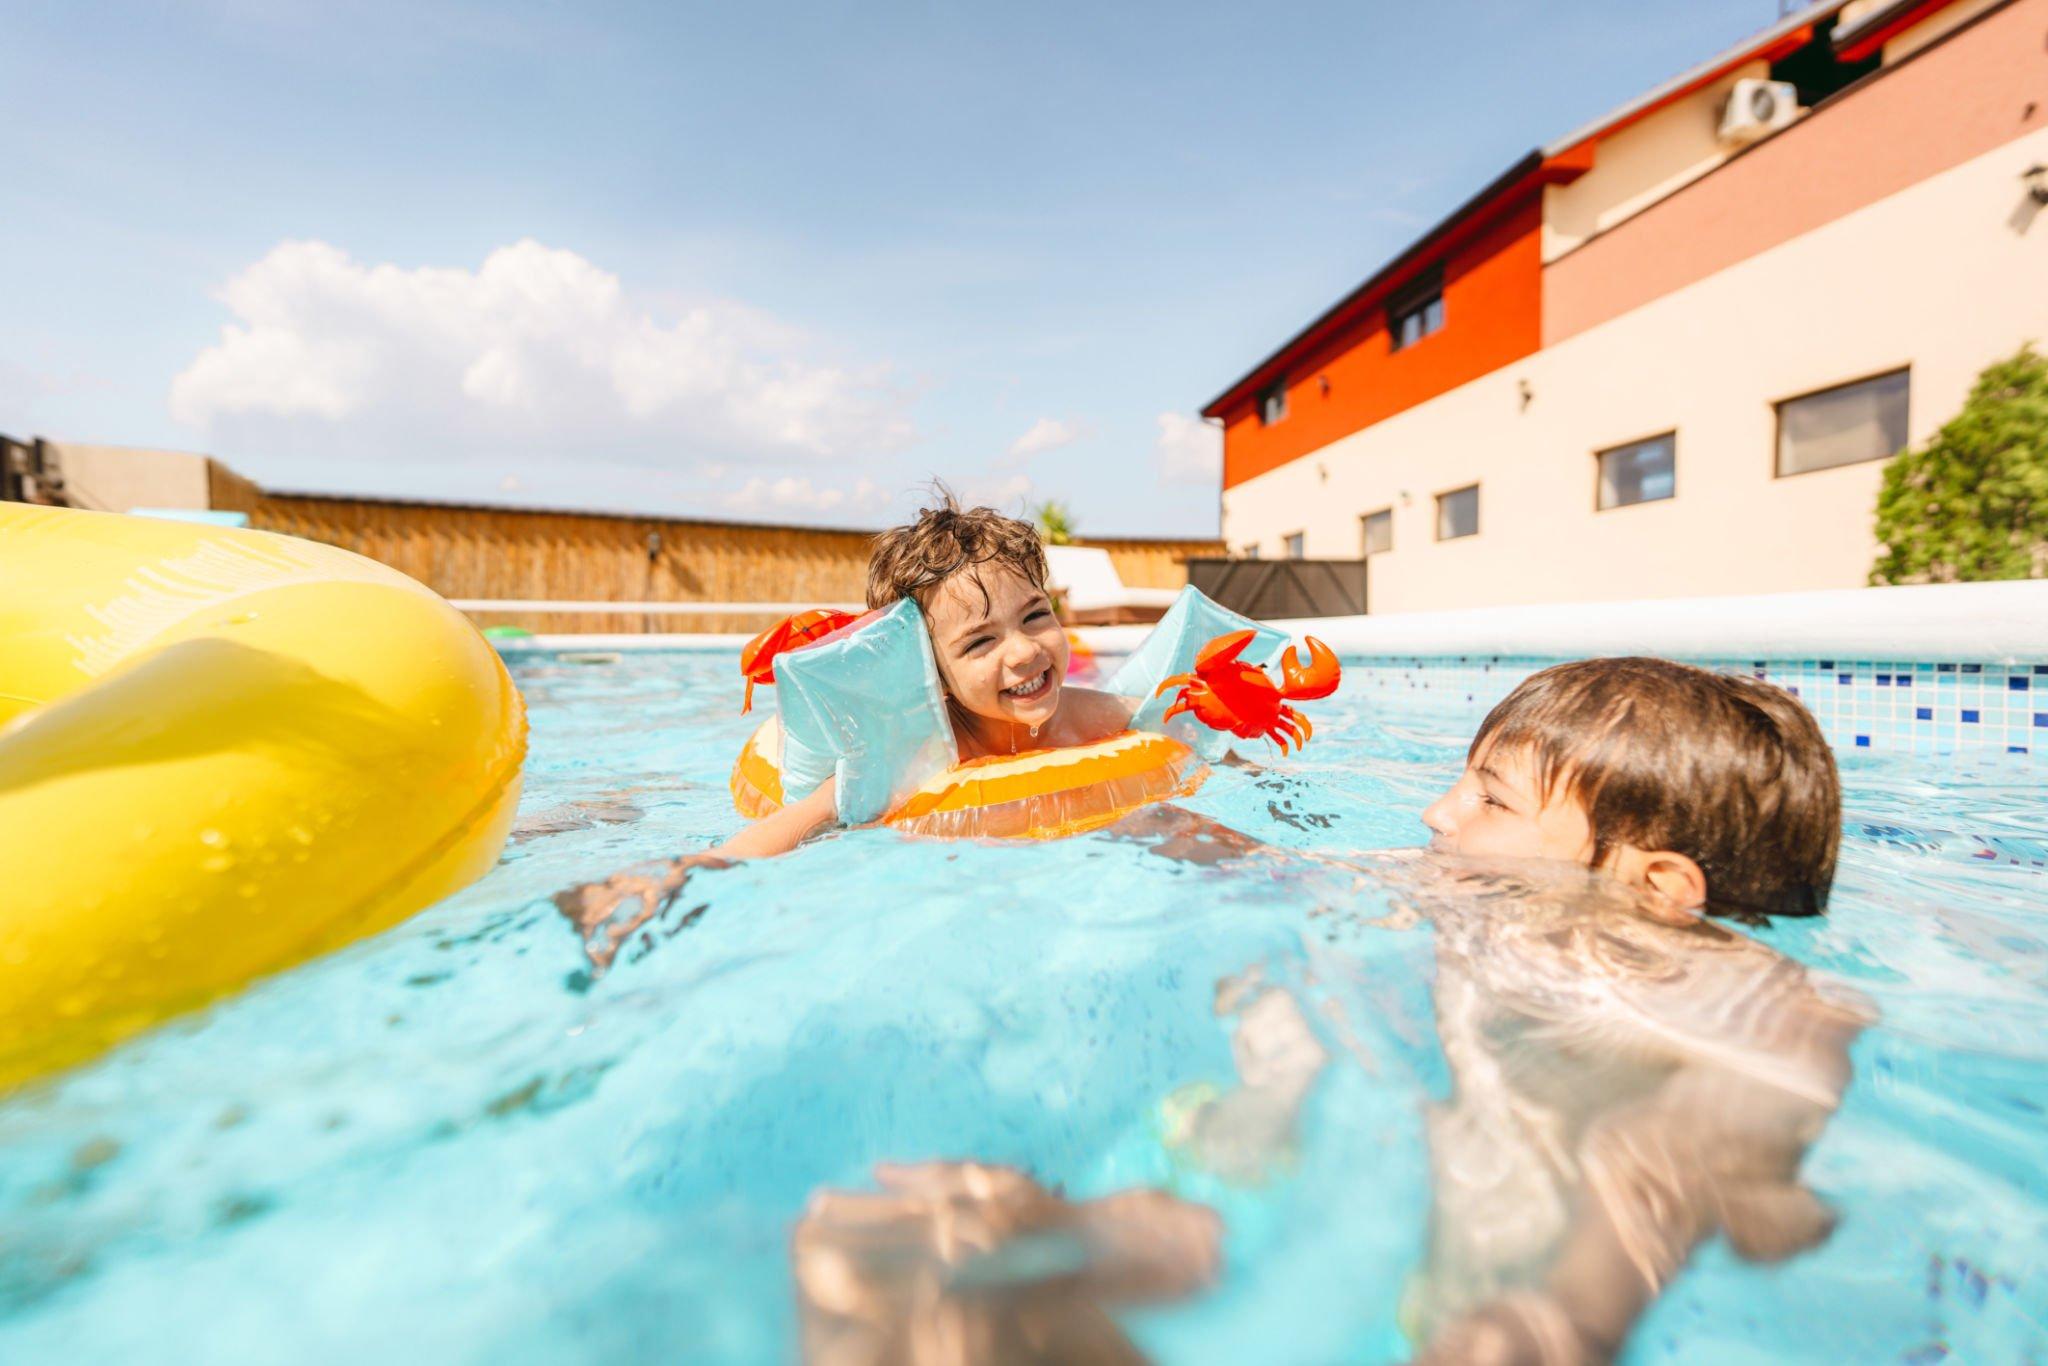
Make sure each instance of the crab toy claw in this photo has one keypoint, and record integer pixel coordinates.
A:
(1318, 678)
(1225, 693)
(757, 656)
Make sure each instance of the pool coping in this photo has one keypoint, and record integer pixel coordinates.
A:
(2005, 623)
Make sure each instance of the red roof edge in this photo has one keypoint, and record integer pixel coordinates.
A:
(1784, 46)
(1880, 28)
(1508, 189)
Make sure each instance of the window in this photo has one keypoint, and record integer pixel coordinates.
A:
(1251, 552)
(1457, 513)
(1295, 545)
(1844, 425)
(1272, 403)
(1640, 472)
(1376, 532)
(1416, 310)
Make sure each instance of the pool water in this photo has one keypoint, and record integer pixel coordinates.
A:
(457, 1142)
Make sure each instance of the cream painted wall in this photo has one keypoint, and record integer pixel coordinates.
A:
(1940, 276)
(1932, 27)
(1642, 164)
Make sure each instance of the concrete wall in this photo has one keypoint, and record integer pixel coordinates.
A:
(1641, 164)
(1934, 26)
(1945, 276)
(117, 478)
(1979, 90)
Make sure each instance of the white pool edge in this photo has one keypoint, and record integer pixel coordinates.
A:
(2005, 623)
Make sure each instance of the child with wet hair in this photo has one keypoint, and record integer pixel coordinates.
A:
(1628, 1077)
(980, 579)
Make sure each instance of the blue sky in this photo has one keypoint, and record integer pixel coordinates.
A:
(781, 262)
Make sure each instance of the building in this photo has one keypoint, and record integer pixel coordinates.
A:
(1668, 353)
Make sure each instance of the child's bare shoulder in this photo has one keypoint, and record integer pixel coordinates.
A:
(1100, 713)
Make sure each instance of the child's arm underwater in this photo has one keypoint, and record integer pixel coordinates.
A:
(591, 905)
(1715, 1149)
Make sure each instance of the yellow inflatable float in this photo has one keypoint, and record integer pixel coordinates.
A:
(221, 753)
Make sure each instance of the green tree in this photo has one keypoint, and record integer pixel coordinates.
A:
(1973, 502)
(1055, 523)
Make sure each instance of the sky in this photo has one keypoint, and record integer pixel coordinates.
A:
(775, 262)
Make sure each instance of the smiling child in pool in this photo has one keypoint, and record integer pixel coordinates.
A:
(980, 580)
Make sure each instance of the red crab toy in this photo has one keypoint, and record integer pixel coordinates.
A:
(1225, 693)
(757, 657)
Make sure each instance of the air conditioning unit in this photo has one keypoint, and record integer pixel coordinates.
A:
(1756, 107)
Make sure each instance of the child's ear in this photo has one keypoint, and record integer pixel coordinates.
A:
(1675, 879)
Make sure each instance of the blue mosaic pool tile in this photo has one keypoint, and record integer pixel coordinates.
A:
(1979, 706)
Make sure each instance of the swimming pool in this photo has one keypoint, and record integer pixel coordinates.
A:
(454, 1142)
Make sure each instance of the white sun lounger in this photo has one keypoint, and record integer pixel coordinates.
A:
(1093, 594)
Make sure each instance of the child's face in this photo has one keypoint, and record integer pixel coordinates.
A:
(1003, 657)
(1496, 807)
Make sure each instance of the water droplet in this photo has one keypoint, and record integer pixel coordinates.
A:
(217, 863)
(213, 839)
(300, 834)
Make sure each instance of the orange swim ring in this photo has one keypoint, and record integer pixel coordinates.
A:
(1039, 794)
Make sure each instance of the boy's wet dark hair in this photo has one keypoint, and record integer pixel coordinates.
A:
(912, 561)
(1731, 772)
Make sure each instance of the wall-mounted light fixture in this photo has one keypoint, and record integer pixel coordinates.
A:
(1528, 394)
(1323, 382)
(2035, 178)
(654, 545)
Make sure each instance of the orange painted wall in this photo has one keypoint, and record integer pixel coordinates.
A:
(1493, 305)
(1977, 89)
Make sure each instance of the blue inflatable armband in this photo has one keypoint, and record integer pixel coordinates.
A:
(865, 707)
(1192, 622)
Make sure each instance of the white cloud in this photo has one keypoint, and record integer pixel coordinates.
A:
(1190, 450)
(795, 494)
(1046, 434)
(536, 347)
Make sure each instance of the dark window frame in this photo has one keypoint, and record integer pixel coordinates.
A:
(1779, 405)
(1365, 551)
(1412, 298)
(1476, 511)
(1274, 392)
(1605, 451)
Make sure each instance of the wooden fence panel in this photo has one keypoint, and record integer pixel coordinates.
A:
(510, 553)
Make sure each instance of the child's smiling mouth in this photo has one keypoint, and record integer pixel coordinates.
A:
(1032, 688)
